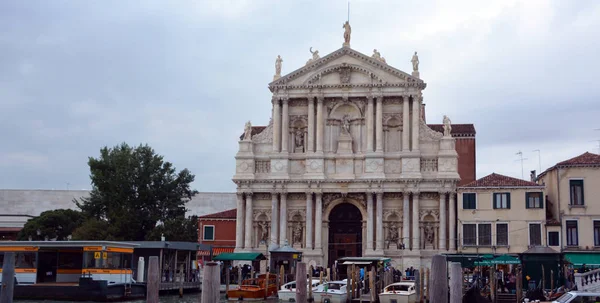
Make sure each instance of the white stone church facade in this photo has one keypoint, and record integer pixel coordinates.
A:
(347, 166)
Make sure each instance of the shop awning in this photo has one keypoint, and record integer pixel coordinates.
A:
(579, 259)
(240, 257)
(506, 259)
(355, 262)
(219, 250)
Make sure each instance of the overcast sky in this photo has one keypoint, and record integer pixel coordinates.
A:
(184, 76)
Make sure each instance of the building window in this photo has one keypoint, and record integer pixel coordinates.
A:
(553, 238)
(484, 234)
(596, 233)
(469, 234)
(576, 192)
(469, 201)
(209, 232)
(534, 200)
(572, 234)
(502, 234)
(535, 234)
(501, 200)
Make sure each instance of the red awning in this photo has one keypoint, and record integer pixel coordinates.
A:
(216, 251)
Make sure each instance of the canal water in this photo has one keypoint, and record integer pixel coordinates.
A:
(193, 298)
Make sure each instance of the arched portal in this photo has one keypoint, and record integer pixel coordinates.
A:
(345, 232)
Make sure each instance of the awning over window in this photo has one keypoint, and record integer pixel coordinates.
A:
(506, 259)
(579, 259)
(219, 250)
(240, 257)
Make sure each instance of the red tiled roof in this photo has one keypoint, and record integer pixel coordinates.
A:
(585, 159)
(458, 130)
(497, 180)
(228, 214)
(255, 130)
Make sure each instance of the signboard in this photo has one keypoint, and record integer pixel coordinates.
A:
(104, 255)
(97, 255)
(297, 257)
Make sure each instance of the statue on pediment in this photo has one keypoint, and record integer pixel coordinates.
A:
(347, 32)
(248, 131)
(278, 62)
(415, 62)
(447, 126)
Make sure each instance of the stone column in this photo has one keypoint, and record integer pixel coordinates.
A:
(249, 220)
(274, 220)
(239, 222)
(320, 122)
(370, 221)
(406, 220)
(416, 238)
(415, 123)
(379, 210)
(318, 220)
(276, 125)
(405, 124)
(452, 221)
(309, 220)
(369, 121)
(379, 125)
(442, 233)
(283, 219)
(285, 123)
(311, 125)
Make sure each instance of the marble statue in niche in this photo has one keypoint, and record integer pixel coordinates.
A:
(297, 234)
(264, 231)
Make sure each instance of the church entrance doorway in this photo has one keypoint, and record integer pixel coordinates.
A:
(345, 232)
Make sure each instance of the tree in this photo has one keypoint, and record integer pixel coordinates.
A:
(92, 229)
(178, 229)
(53, 224)
(132, 190)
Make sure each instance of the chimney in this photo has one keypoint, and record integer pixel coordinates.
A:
(533, 176)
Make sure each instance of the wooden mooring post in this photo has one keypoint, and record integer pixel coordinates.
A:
(418, 285)
(300, 283)
(211, 282)
(438, 288)
(8, 278)
(153, 285)
(456, 282)
(309, 283)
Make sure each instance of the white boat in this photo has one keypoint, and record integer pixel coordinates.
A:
(287, 293)
(400, 292)
(331, 292)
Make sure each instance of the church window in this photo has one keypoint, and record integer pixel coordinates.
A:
(469, 201)
(501, 200)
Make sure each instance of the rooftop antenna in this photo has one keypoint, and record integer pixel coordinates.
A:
(520, 154)
(539, 160)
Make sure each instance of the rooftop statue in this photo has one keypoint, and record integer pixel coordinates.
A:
(347, 32)
(248, 131)
(447, 126)
(315, 56)
(415, 62)
(278, 65)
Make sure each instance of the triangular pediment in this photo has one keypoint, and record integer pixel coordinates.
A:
(346, 67)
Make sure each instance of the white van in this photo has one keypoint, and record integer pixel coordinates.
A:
(579, 297)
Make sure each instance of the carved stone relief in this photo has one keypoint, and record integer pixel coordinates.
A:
(261, 214)
(447, 164)
(374, 165)
(297, 167)
(393, 166)
(296, 215)
(279, 166)
(392, 212)
(243, 166)
(298, 102)
(266, 136)
(430, 196)
(428, 134)
(410, 164)
(393, 196)
(429, 165)
(262, 167)
(429, 212)
(296, 196)
(262, 196)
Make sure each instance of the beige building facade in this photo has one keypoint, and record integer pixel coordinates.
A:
(500, 215)
(347, 165)
(573, 196)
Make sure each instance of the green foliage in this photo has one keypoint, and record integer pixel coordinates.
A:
(177, 229)
(133, 190)
(92, 229)
(53, 224)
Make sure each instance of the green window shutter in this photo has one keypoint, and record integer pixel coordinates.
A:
(527, 200)
(508, 200)
(494, 200)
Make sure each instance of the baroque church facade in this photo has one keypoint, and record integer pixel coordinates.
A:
(347, 165)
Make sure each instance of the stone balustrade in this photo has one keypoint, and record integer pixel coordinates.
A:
(589, 281)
